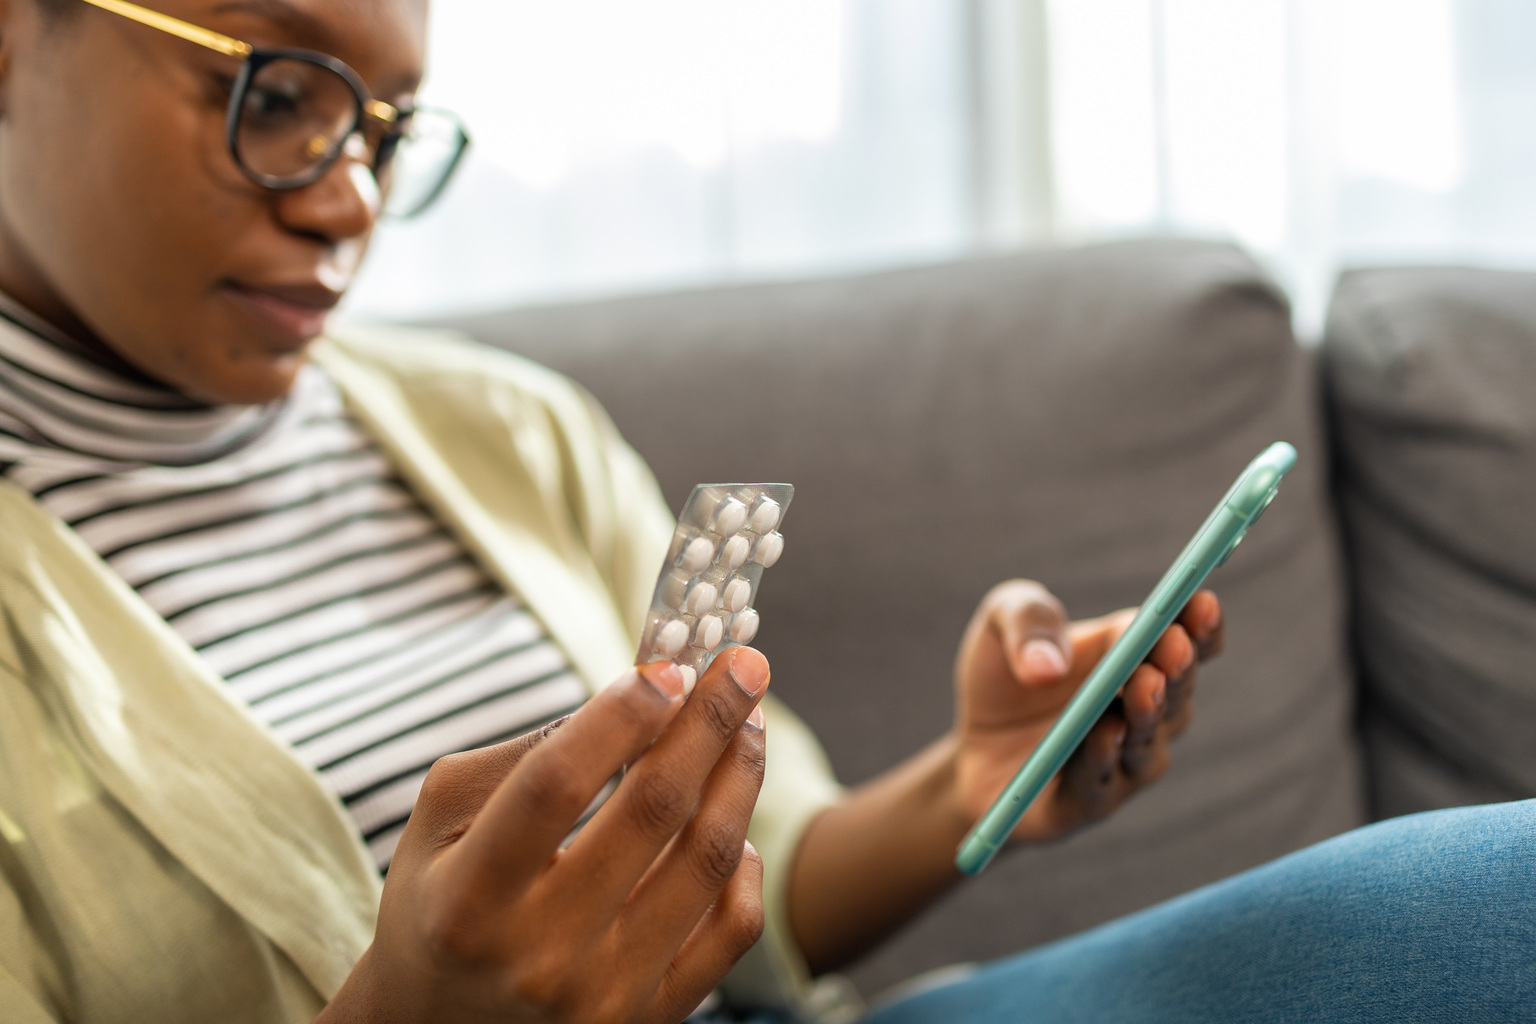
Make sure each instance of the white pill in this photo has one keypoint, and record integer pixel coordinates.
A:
(697, 554)
(690, 678)
(769, 548)
(737, 593)
(766, 516)
(671, 637)
(709, 632)
(744, 627)
(734, 552)
(730, 517)
(701, 598)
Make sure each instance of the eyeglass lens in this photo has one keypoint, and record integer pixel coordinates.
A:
(425, 154)
(295, 117)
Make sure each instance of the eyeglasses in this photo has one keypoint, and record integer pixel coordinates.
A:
(293, 113)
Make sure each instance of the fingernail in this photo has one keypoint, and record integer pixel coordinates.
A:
(664, 677)
(1160, 696)
(1043, 659)
(1119, 737)
(756, 717)
(749, 670)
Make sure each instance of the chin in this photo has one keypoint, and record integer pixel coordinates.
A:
(247, 381)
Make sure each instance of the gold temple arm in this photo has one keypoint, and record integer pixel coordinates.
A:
(176, 27)
(214, 41)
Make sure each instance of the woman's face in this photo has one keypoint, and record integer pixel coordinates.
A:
(124, 220)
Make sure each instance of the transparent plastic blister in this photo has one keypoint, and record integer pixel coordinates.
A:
(727, 535)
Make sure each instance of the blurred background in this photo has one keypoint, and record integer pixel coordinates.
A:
(624, 147)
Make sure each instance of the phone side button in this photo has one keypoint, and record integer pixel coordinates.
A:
(1185, 579)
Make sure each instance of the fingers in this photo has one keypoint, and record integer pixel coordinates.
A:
(533, 809)
(1198, 636)
(1092, 638)
(1092, 782)
(1113, 762)
(661, 791)
(1157, 699)
(1205, 623)
(1153, 708)
(1129, 746)
(1141, 705)
(692, 871)
(1174, 652)
(1159, 695)
(1032, 625)
(1149, 723)
(732, 926)
(1179, 692)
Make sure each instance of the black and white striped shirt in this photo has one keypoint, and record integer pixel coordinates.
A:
(281, 545)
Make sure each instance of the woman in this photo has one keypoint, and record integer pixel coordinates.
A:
(256, 582)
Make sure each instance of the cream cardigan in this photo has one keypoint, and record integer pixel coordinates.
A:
(162, 856)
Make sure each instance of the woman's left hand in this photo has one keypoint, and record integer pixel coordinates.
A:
(1021, 661)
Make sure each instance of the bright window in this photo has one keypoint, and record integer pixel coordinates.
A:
(624, 146)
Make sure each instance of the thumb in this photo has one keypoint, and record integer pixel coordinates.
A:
(1032, 625)
(1041, 661)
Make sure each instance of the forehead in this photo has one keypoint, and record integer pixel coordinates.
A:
(383, 40)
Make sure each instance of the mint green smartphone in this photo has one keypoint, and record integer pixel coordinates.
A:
(1211, 546)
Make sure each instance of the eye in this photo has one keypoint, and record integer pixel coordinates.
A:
(273, 102)
(281, 95)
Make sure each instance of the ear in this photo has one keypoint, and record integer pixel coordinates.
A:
(20, 22)
(7, 33)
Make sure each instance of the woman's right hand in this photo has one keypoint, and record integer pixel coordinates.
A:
(485, 918)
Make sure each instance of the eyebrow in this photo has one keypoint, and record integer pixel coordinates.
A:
(292, 19)
(305, 27)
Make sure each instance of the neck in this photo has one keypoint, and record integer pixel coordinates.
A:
(23, 283)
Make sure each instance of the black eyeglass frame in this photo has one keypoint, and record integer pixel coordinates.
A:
(253, 59)
(261, 57)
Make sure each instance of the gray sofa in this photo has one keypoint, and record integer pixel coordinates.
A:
(1070, 416)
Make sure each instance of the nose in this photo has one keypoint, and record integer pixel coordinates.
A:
(342, 204)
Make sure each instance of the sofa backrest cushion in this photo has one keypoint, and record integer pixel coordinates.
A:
(1069, 416)
(1432, 384)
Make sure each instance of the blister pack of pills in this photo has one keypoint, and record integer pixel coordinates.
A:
(726, 536)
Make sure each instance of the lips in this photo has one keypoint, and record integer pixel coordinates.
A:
(296, 312)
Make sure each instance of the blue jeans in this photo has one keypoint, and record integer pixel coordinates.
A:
(1431, 917)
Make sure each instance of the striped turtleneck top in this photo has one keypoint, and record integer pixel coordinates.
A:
(279, 542)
